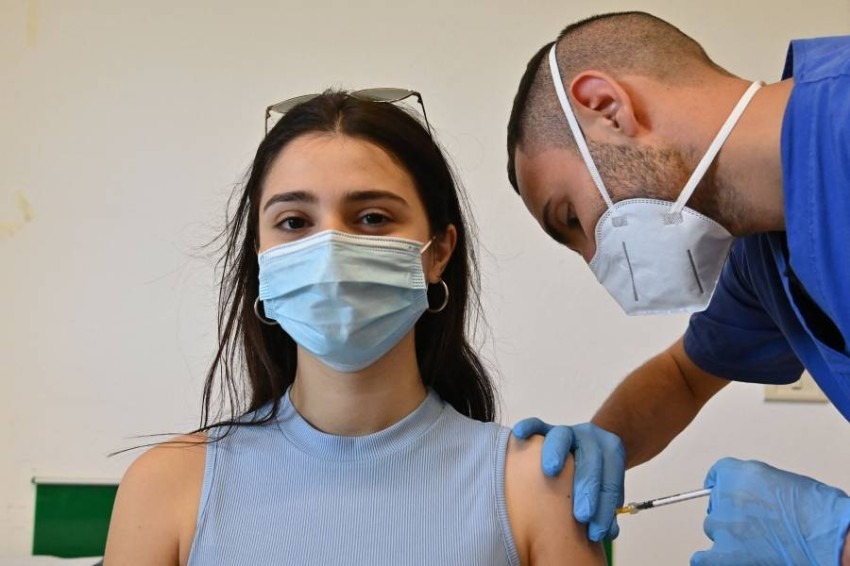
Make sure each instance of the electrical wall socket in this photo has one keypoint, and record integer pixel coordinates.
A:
(804, 390)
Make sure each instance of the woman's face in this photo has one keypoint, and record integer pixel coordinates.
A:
(333, 182)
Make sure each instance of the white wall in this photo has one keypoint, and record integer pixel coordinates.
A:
(124, 125)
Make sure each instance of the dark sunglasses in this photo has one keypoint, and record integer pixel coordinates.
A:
(391, 95)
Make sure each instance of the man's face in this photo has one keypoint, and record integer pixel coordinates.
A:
(558, 191)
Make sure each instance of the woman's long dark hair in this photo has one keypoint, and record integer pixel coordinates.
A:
(266, 355)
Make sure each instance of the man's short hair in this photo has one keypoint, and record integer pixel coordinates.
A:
(618, 43)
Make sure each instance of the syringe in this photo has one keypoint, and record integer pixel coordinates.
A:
(633, 508)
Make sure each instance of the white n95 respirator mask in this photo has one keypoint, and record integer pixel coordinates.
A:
(655, 256)
(347, 299)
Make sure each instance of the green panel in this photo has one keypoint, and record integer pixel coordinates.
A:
(609, 551)
(71, 521)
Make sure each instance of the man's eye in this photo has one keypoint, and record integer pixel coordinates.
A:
(572, 220)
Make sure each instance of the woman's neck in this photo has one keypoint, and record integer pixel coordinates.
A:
(360, 403)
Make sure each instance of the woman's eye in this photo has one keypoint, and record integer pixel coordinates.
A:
(293, 223)
(374, 218)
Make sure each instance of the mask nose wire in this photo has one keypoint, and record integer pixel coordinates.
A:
(576, 129)
(714, 148)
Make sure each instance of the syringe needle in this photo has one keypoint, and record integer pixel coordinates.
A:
(635, 507)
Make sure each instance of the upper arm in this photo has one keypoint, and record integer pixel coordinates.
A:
(153, 519)
(736, 337)
(540, 510)
(702, 384)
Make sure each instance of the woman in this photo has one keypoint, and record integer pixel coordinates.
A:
(368, 440)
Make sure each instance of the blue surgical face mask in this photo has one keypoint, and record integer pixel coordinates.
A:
(346, 299)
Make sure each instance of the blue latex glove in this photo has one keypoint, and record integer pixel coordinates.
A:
(760, 515)
(600, 464)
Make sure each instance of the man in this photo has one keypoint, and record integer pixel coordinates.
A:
(714, 195)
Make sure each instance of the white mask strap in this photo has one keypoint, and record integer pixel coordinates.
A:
(714, 148)
(576, 129)
(427, 245)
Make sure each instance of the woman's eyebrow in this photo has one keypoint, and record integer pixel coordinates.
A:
(291, 196)
(373, 194)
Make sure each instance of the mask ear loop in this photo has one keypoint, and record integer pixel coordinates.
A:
(713, 149)
(426, 245)
(578, 135)
(261, 318)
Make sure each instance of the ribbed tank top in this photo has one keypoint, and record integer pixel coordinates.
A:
(428, 490)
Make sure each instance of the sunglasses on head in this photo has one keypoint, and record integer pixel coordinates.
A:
(391, 95)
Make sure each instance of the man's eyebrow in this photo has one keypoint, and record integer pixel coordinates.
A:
(291, 196)
(549, 227)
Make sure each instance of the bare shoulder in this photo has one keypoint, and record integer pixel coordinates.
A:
(169, 465)
(153, 521)
(540, 510)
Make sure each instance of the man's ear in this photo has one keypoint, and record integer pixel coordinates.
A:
(439, 254)
(602, 103)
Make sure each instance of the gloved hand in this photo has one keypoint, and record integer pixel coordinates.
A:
(600, 469)
(760, 515)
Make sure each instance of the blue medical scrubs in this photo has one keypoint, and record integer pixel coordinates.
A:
(783, 300)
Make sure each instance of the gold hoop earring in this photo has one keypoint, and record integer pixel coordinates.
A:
(264, 320)
(445, 299)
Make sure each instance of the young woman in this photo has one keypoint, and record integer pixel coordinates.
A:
(347, 279)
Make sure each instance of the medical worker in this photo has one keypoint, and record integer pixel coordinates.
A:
(687, 188)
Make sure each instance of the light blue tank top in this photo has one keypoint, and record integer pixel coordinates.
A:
(429, 490)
